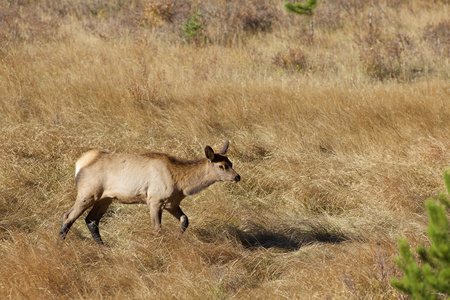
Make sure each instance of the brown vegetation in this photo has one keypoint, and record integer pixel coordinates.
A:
(338, 140)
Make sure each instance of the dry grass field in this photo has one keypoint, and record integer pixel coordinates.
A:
(339, 139)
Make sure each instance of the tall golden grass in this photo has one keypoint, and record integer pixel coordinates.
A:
(339, 140)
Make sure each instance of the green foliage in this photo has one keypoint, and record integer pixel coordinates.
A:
(194, 27)
(431, 278)
(301, 8)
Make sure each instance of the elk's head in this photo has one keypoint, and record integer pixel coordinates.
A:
(221, 165)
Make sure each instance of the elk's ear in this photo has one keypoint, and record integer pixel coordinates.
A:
(224, 148)
(209, 152)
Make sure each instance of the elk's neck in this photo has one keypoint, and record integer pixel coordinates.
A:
(195, 176)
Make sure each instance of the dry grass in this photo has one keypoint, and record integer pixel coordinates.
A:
(339, 141)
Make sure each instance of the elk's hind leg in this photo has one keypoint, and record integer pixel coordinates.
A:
(73, 214)
(65, 227)
(94, 216)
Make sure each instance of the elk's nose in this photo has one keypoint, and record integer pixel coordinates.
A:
(237, 178)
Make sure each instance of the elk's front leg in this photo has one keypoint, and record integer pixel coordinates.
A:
(179, 214)
(156, 213)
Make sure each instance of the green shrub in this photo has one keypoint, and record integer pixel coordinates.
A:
(430, 278)
(194, 28)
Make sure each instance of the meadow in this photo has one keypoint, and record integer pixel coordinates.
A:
(339, 139)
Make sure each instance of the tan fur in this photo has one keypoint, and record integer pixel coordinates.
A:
(86, 159)
(159, 180)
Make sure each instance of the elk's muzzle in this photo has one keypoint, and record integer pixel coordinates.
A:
(237, 178)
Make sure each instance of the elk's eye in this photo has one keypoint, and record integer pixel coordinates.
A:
(221, 167)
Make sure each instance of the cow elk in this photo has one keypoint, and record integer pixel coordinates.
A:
(159, 180)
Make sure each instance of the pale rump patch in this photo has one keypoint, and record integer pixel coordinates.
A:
(86, 159)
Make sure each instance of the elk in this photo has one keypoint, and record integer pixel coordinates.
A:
(157, 179)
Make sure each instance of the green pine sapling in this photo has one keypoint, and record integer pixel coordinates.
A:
(431, 278)
(303, 8)
(194, 27)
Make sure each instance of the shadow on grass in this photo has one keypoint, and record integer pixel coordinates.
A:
(284, 238)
